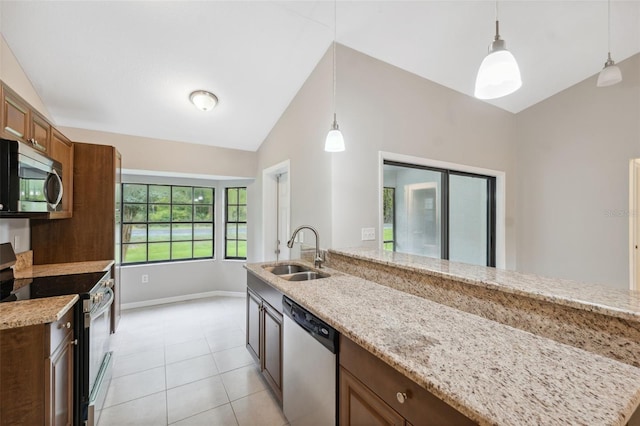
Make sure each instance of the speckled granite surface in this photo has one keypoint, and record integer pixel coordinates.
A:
(618, 303)
(37, 311)
(62, 269)
(493, 373)
(606, 335)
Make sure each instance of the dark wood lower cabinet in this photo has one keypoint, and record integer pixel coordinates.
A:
(36, 374)
(359, 406)
(272, 348)
(373, 393)
(264, 330)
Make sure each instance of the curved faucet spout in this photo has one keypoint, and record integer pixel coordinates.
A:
(318, 259)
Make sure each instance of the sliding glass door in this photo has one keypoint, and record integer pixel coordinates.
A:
(440, 213)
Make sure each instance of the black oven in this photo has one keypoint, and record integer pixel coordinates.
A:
(30, 182)
(92, 357)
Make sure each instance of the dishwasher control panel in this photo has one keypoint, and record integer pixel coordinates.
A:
(320, 330)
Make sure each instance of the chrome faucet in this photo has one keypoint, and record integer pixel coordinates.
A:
(318, 259)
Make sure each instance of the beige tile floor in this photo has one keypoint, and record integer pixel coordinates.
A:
(186, 364)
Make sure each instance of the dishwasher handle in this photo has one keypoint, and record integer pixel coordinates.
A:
(320, 330)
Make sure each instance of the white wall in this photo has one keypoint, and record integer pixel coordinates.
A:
(299, 136)
(573, 162)
(380, 108)
(14, 76)
(164, 156)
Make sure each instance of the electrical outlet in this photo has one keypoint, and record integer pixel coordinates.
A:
(368, 234)
(145, 278)
(300, 237)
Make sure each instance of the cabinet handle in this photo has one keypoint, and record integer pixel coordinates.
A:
(402, 397)
(74, 342)
(67, 325)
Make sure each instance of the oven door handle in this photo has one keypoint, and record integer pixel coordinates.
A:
(103, 305)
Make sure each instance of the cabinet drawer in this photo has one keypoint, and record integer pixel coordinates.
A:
(420, 406)
(58, 330)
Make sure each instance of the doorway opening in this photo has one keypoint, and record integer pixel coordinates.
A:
(634, 224)
(276, 211)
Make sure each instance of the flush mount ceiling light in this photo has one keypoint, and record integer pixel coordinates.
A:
(610, 74)
(203, 100)
(335, 140)
(499, 74)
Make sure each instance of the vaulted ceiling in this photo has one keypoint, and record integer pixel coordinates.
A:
(129, 66)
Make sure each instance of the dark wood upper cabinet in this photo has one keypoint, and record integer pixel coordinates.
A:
(20, 121)
(39, 132)
(15, 116)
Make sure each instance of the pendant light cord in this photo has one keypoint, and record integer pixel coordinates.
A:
(335, 9)
(609, 26)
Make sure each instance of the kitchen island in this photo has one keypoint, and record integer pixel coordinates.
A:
(491, 372)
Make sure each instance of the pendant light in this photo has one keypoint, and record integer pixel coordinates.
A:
(334, 141)
(499, 74)
(610, 74)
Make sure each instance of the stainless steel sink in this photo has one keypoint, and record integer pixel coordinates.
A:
(304, 276)
(286, 269)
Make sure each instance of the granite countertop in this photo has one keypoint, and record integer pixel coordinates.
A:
(624, 304)
(37, 311)
(49, 309)
(492, 373)
(54, 269)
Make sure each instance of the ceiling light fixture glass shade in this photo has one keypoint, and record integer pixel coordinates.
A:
(203, 100)
(499, 74)
(335, 140)
(610, 74)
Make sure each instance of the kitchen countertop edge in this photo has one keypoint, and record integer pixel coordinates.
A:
(23, 313)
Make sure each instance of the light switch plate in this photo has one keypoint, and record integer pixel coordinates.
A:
(368, 234)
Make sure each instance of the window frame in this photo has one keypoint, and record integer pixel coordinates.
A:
(170, 223)
(444, 231)
(236, 222)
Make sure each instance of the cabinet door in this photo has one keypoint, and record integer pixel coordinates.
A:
(61, 149)
(40, 132)
(254, 311)
(15, 115)
(273, 348)
(59, 389)
(360, 406)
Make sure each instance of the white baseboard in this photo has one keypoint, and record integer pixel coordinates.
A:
(182, 298)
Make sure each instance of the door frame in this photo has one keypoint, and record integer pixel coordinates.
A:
(269, 209)
(634, 223)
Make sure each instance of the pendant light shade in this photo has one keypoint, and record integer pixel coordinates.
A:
(334, 141)
(499, 74)
(610, 74)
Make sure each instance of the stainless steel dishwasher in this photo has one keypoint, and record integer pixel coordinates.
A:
(308, 367)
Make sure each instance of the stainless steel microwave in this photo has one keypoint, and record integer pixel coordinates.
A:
(31, 182)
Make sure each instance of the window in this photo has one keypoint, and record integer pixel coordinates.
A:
(439, 213)
(236, 223)
(389, 214)
(162, 223)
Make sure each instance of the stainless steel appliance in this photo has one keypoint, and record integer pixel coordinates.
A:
(309, 350)
(92, 316)
(30, 182)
